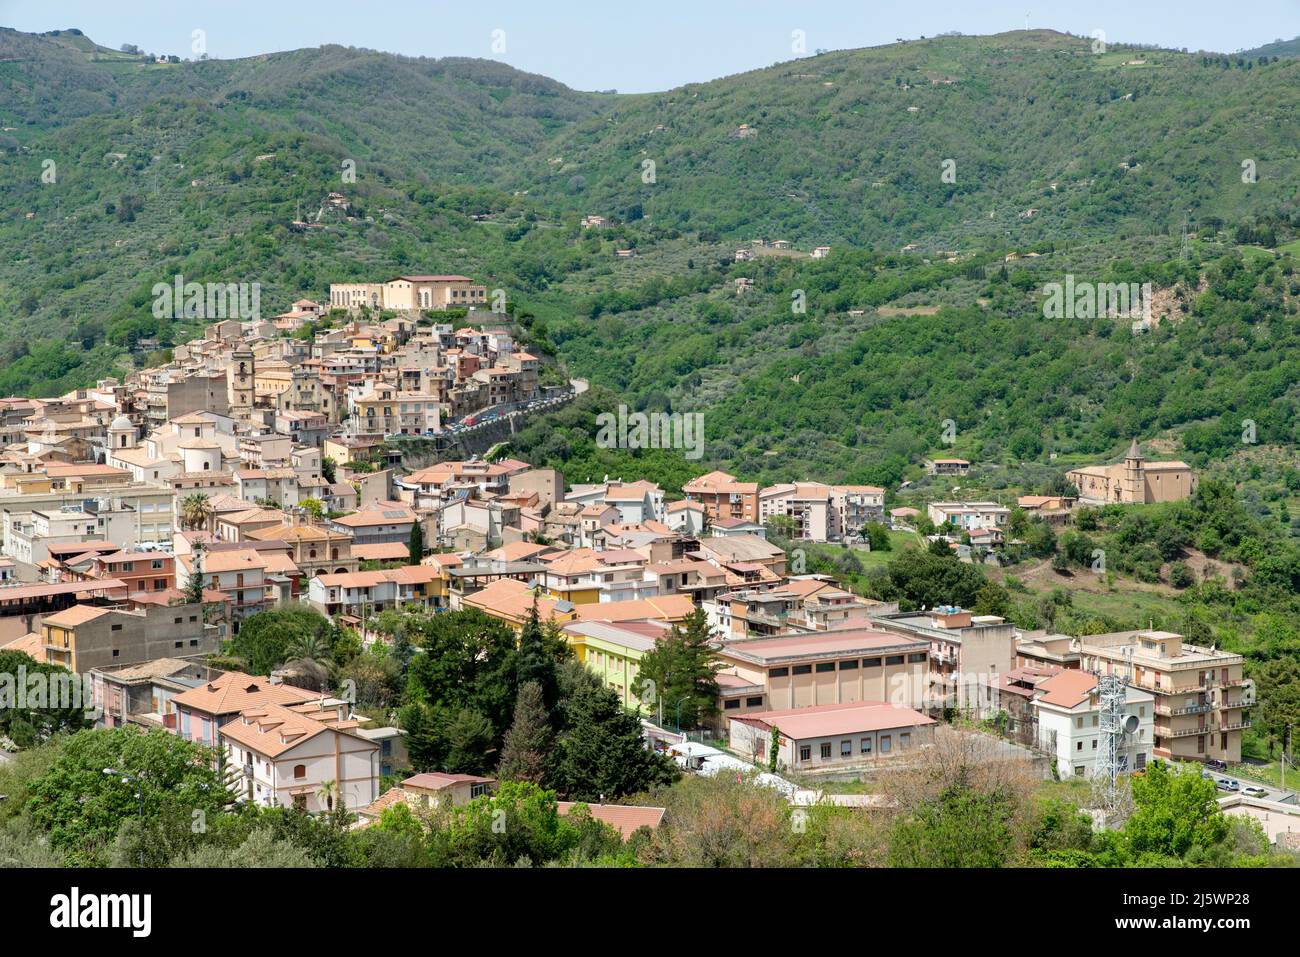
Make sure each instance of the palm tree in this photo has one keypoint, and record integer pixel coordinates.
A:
(195, 510)
(311, 646)
(327, 792)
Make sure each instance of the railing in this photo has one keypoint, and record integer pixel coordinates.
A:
(1189, 709)
(1184, 732)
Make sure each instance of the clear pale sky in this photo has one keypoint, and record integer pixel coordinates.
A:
(635, 45)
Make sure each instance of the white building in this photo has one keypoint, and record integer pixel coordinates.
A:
(306, 756)
(1069, 716)
(969, 516)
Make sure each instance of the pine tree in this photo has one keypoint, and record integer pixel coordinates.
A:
(682, 671)
(416, 543)
(535, 663)
(469, 737)
(194, 587)
(601, 754)
(528, 743)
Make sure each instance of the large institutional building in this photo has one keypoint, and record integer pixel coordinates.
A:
(1135, 481)
(408, 293)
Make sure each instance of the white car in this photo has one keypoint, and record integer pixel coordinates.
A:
(1251, 790)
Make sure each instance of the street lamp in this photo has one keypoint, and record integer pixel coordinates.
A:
(139, 796)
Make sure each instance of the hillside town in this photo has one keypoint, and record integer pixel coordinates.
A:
(146, 521)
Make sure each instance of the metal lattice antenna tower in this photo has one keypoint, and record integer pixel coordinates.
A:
(1113, 756)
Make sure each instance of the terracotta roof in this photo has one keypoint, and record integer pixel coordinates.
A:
(381, 551)
(31, 644)
(624, 818)
(437, 781)
(235, 691)
(831, 719)
(513, 601)
(663, 608)
(1067, 689)
(273, 729)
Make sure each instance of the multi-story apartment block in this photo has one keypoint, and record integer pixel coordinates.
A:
(1201, 697)
(723, 496)
(86, 636)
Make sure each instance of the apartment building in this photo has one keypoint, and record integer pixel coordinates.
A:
(968, 653)
(366, 593)
(1201, 697)
(723, 496)
(242, 573)
(203, 710)
(307, 756)
(823, 513)
(85, 637)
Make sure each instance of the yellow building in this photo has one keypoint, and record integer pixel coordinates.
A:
(1135, 481)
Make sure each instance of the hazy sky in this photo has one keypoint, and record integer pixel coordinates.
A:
(634, 45)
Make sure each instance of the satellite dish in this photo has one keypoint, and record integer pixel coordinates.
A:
(1130, 724)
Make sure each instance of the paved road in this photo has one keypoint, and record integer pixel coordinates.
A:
(1287, 796)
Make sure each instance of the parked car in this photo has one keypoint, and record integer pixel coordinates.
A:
(1216, 764)
(1227, 784)
(1254, 791)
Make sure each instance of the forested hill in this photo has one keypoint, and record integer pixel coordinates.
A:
(117, 172)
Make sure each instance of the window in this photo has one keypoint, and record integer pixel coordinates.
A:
(778, 672)
(731, 704)
(116, 628)
(905, 739)
(754, 702)
(826, 750)
(299, 772)
(865, 746)
(918, 658)
(1094, 744)
(802, 669)
(893, 659)
(805, 752)
(850, 665)
(824, 666)
(1078, 746)
(846, 748)
(1078, 772)
(886, 742)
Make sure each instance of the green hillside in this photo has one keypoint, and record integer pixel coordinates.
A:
(201, 168)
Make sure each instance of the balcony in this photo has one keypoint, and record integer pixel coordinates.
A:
(1183, 732)
(1208, 729)
(1165, 709)
(1166, 689)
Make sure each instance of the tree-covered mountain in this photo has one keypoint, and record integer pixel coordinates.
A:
(117, 172)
